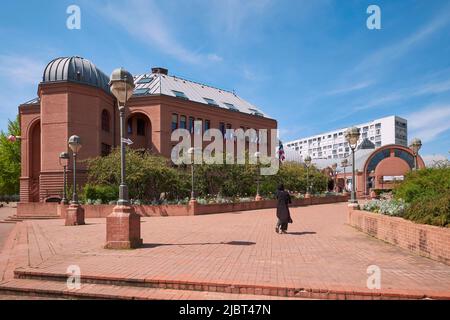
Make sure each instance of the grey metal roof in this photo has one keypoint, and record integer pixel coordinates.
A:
(157, 83)
(33, 101)
(75, 69)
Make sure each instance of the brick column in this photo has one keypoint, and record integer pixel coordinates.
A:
(123, 228)
(74, 215)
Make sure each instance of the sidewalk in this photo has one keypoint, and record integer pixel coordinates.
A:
(233, 253)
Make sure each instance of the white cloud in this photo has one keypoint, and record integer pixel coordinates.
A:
(350, 88)
(21, 70)
(429, 122)
(430, 159)
(214, 57)
(144, 21)
(391, 53)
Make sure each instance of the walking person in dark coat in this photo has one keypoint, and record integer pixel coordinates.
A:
(283, 214)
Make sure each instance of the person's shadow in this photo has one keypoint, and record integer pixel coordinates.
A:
(231, 243)
(302, 233)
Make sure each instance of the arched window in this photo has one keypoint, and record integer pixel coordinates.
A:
(409, 158)
(376, 159)
(105, 120)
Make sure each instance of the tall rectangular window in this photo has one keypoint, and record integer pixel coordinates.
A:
(140, 130)
(130, 126)
(191, 124)
(106, 149)
(207, 125)
(174, 122)
(183, 122)
(222, 127)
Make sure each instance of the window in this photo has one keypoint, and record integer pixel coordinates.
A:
(377, 125)
(207, 125)
(130, 126)
(106, 149)
(174, 122)
(145, 79)
(211, 102)
(105, 121)
(180, 94)
(140, 127)
(141, 91)
(255, 112)
(377, 158)
(230, 106)
(409, 158)
(183, 122)
(222, 127)
(229, 134)
(191, 124)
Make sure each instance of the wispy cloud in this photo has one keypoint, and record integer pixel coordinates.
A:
(429, 122)
(430, 159)
(21, 70)
(144, 21)
(393, 52)
(350, 88)
(431, 88)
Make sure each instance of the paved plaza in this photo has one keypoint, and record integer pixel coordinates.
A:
(320, 253)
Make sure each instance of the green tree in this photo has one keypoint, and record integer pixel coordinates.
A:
(10, 160)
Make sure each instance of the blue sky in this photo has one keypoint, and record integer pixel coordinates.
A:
(311, 64)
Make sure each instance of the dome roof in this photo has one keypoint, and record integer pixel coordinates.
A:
(75, 69)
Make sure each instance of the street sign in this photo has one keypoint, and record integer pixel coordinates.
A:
(127, 141)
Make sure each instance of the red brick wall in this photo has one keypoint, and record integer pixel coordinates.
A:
(425, 240)
(102, 211)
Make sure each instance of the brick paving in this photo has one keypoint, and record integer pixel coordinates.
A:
(242, 249)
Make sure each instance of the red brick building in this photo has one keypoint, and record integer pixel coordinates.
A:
(376, 168)
(74, 98)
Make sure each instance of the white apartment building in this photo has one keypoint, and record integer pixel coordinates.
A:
(332, 144)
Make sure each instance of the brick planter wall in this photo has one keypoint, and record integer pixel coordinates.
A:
(429, 241)
(102, 211)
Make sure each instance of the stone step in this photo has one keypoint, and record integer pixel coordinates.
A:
(337, 293)
(58, 289)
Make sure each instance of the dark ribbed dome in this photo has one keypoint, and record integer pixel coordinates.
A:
(75, 69)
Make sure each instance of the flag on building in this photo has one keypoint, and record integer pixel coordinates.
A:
(281, 152)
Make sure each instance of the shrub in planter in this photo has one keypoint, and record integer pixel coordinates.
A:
(431, 210)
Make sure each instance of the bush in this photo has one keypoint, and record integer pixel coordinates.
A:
(433, 210)
(99, 194)
(427, 192)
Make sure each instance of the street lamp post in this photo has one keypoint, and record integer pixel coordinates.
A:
(352, 136)
(123, 225)
(75, 213)
(334, 167)
(63, 158)
(415, 146)
(344, 164)
(307, 161)
(258, 196)
(191, 152)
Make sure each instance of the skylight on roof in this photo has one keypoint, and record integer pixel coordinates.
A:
(145, 79)
(255, 112)
(141, 91)
(211, 101)
(180, 95)
(231, 106)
